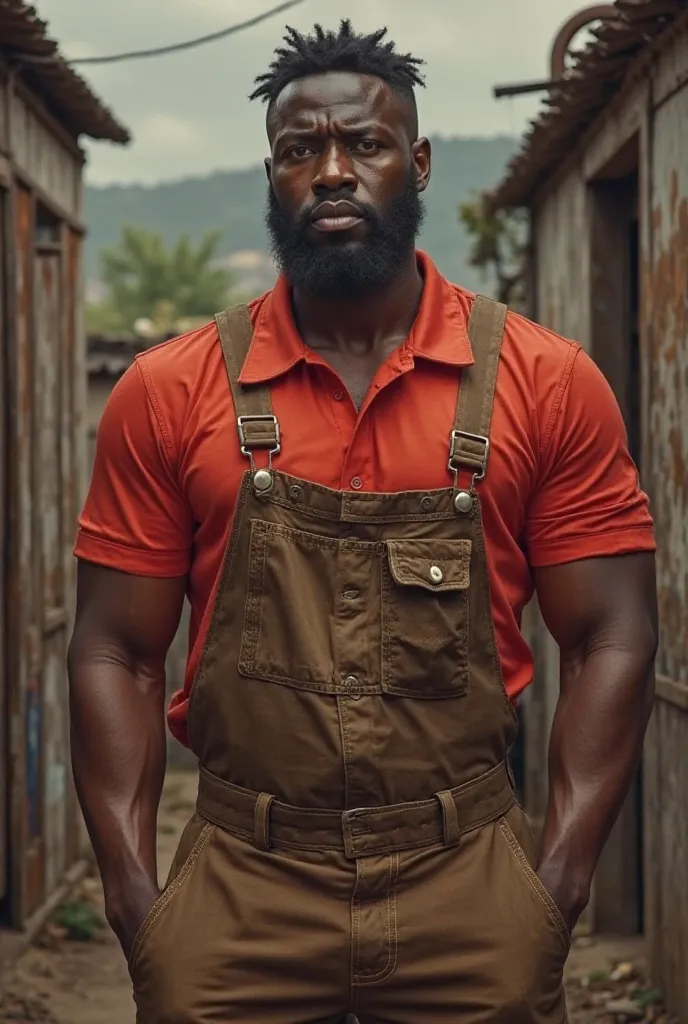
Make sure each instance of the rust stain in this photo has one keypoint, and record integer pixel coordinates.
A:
(673, 200)
(667, 325)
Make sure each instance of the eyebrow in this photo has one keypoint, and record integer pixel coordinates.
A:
(353, 129)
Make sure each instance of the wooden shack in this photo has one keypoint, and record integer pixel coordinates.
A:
(44, 108)
(604, 173)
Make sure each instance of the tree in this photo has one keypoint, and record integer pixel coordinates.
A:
(148, 281)
(499, 246)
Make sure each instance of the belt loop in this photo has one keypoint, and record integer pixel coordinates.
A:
(261, 821)
(450, 819)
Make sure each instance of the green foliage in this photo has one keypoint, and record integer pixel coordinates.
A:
(148, 280)
(499, 245)
(79, 920)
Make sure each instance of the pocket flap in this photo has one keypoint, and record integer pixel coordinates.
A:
(434, 565)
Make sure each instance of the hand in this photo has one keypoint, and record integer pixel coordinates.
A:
(126, 911)
(571, 894)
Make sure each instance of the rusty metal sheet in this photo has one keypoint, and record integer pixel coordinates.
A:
(666, 327)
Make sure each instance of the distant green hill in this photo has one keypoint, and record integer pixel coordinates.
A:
(233, 202)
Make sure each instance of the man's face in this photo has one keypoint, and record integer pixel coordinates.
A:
(345, 179)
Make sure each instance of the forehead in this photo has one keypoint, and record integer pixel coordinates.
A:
(340, 96)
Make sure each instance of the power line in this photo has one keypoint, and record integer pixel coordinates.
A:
(162, 51)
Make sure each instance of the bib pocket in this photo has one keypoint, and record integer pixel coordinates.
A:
(425, 618)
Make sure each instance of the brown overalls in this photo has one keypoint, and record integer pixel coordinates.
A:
(357, 846)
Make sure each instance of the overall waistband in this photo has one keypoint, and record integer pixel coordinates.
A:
(360, 831)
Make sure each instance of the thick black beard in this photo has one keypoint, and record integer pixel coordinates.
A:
(346, 269)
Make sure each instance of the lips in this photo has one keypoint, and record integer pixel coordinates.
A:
(340, 216)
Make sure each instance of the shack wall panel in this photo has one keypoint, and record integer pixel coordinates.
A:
(563, 270)
(26, 711)
(665, 331)
(43, 158)
(52, 484)
(666, 807)
(5, 256)
(73, 456)
(4, 141)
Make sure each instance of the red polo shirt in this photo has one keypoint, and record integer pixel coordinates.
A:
(560, 484)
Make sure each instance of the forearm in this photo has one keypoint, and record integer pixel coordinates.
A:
(595, 747)
(118, 757)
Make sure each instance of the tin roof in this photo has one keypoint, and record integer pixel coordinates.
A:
(63, 92)
(596, 74)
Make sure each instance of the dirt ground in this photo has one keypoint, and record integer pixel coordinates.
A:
(62, 981)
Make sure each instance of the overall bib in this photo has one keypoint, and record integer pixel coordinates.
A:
(357, 846)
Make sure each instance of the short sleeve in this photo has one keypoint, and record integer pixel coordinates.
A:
(588, 501)
(135, 518)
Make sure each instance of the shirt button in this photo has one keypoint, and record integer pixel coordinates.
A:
(352, 595)
(357, 483)
(338, 395)
(351, 681)
(427, 504)
(436, 574)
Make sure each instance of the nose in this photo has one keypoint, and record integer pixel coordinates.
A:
(335, 170)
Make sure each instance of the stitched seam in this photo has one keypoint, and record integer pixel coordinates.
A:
(168, 895)
(392, 935)
(566, 374)
(152, 396)
(535, 883)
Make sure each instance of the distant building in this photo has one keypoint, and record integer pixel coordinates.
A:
(604, 173)
(44, 108)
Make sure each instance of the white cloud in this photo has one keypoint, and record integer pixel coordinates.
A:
(189, 112)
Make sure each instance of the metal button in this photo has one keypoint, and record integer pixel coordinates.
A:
(262, 480)
(357, 483)
(354, 696)
(463, 502)
(436, 574)
(351, 681)
(295, 493)
(427, 504)
(351, 595)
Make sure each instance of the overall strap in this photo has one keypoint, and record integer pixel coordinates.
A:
(258, 428)
(470, 444)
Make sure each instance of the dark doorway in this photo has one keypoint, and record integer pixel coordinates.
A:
(617, 904)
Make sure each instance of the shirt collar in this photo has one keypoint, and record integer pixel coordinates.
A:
(439, 333)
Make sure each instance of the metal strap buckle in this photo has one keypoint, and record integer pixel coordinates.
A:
(272, 446)
(455, 456)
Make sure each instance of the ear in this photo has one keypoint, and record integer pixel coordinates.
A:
(268, 167)
(422, 160)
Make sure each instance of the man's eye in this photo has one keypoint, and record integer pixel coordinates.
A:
(367, 146)
(300, 152)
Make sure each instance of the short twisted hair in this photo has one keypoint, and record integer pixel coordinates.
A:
(343, 50)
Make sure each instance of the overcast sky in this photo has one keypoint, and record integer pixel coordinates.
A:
(189, 113)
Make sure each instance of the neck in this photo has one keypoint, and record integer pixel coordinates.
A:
(366, 323)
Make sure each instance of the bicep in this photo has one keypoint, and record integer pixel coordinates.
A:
(127, 618)
(600, 602)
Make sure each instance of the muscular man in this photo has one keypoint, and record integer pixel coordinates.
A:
(359, 481)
